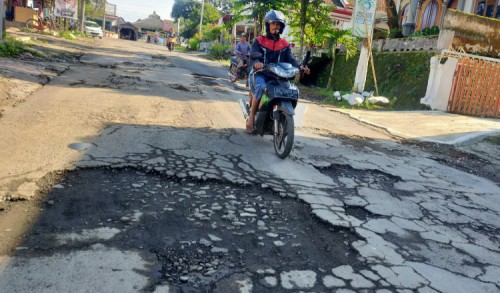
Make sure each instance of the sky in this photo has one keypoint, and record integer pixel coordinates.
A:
(132, 10)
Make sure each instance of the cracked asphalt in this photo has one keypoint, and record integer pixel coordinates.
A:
(131, 171)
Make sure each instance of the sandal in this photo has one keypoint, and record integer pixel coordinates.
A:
(249, 129)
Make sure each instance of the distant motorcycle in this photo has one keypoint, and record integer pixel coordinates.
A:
(275, 113)
(241, 73)
(171, 44)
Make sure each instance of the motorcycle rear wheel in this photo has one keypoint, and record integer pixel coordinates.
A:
(232, 71)
(283, 140)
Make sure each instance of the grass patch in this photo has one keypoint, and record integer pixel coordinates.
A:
(180, 48)
(12, 48)
(399, 74)
(325, 97)
(66, 35)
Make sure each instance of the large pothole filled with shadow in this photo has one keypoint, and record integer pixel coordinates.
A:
(193, 233)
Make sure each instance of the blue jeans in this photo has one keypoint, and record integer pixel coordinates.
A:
(259, 86)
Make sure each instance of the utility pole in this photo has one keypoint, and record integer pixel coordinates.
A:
(2, 19)
(201, 18)
(82, 16)
(104, 15)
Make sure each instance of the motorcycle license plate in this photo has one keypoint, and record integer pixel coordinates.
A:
(281, 92)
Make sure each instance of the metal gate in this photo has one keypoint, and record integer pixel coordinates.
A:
(476, 86)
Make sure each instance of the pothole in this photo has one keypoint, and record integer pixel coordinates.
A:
(194, 233)
(206, 79)
(349, 177)
(360, 213)
(178, 87)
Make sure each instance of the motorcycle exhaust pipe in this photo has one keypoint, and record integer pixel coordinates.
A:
(244, 108)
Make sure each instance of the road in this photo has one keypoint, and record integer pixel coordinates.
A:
(131, 171)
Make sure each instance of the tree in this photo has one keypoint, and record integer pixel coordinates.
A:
(190, 11)
(183, 8)
(345, 38)
(223, 6)
(256, 10)
(392, 14)
(94, 8)
(319, 24)
(303, 20)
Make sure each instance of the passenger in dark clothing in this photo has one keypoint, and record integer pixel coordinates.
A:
(274, 49)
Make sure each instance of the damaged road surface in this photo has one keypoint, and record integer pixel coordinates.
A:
(129, 173)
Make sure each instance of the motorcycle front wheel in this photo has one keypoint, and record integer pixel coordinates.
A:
(283, 139)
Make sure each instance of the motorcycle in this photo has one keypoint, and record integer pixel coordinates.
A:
(241, 73)
(171, 41)
(274, 115)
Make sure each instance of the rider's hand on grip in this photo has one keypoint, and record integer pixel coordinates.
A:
(258, 66)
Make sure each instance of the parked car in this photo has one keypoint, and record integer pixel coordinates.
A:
(93, 29)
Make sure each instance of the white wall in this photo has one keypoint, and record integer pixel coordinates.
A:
(439, 83)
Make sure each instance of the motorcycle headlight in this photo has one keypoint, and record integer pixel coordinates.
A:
(285, 73)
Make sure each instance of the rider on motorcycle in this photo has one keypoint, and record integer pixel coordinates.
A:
(242, 50)
(273, 49)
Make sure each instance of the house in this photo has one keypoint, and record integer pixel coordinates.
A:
(151, 24)
(417, 15)
(126, 30)
(342, 12)
(169, 26)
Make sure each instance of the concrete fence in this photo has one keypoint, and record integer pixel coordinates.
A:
(464, 84)
(406, 44)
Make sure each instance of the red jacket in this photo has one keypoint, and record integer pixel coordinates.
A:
(273, 51)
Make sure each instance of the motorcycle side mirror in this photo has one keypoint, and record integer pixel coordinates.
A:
(255, 55)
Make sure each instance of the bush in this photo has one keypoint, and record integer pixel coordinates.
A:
(396, 33)
(429, 31)
(67, 35)
(220, 51)
(11, 47)
(194, 44)
(212, 32)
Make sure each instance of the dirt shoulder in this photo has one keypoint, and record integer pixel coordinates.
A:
(48, 57)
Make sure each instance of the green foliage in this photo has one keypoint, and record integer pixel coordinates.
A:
(331, 100)
(343, 74)
(396, 33)
(194, 43)
(377, 35)
(190, 11)
(317, 31)
(430, 31)
(349, 42)
(220, 51)
(67, 35)
(223, 6)
(80, 34)
(180, 48)
(183, 8)
(93, 10)
(259, 8)
(403, 75)
(211, 32)
(11, 47)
